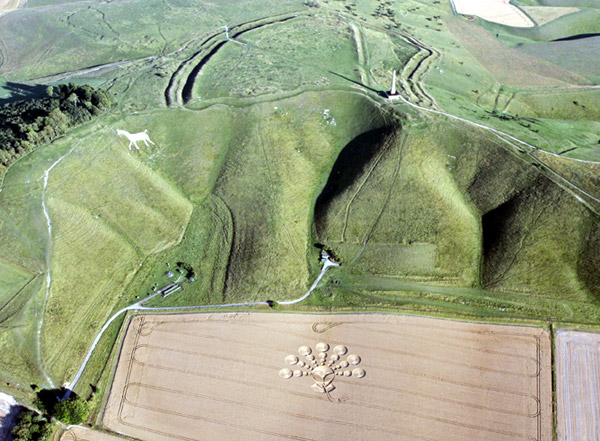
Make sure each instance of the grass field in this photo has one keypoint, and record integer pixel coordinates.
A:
(545, 14)
(413, 378)
(14, 280)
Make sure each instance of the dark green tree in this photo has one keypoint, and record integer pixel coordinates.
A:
(75, 410)
(31, 426)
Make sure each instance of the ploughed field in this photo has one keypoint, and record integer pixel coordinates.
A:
(577, 385)
(311, 377)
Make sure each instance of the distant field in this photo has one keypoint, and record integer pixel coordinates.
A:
(578, 385)
(498, 11)
(545, 14)
(423, 379)
(575, 55)
(509, 66)
(7, 5)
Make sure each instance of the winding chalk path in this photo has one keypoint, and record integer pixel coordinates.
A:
(40, 312)
(138, 306)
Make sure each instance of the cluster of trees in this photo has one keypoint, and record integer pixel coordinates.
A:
(72, 411)
(25, 124)
(31, 426)
(34, 426)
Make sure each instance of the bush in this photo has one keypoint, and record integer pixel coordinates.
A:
(75, 410)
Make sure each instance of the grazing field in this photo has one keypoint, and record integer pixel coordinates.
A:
(576, 55)
(509, 66)
(546, 14)
(260, 377)
(577, 385)
(498, 11)
(13, 280)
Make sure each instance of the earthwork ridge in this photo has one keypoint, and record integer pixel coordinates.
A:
(180, 87)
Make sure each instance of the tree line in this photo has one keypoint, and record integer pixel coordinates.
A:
(26, 124)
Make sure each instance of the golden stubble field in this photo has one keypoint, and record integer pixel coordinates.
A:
(78, 433)
(8, 5)
(577, 385)
(322, 377)
(497, 11)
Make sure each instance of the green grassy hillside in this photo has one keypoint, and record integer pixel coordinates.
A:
(271, 134)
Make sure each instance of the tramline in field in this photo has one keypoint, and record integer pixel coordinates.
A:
(284, 376)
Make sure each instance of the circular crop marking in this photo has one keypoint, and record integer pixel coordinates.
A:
(285, 373)
(304, 350)
(291, 359)
(340, 350)
(323, 368)
(358, 373)
(322, 347)
(353, 359)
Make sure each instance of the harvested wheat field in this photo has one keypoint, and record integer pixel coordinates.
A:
(314, 377)
(78, 433)
(497, 11)
(578, 385)
(9, 5)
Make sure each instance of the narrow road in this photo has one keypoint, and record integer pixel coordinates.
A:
(138, 307)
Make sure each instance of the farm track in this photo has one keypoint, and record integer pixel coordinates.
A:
(39, 314)
(3, 318)
(138, 306)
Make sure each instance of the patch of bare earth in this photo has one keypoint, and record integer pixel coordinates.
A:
(578, 385)
(314, 377)
(497, 11)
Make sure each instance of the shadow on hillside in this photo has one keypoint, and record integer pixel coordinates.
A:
(7, 422)
(350, 164)
(11, 91)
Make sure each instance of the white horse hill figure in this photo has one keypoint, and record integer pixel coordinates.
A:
(135, 137)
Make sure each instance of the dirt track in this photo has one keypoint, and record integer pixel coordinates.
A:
(222, 376)
(577, 385)
(83, 434)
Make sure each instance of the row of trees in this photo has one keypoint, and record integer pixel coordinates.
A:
(26, 124)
